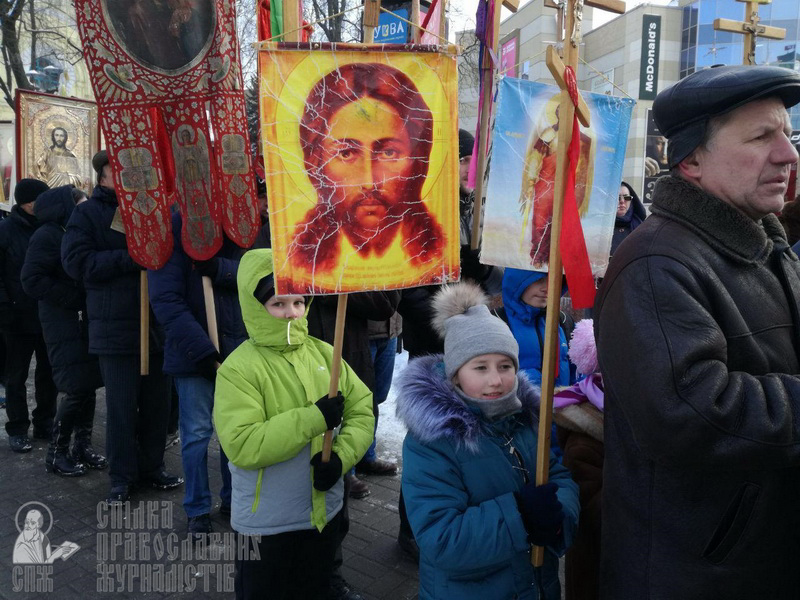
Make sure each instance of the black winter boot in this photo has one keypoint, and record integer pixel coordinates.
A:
(58, 459)
(83, 452)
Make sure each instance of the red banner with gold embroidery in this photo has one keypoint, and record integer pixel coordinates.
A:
(168, 84)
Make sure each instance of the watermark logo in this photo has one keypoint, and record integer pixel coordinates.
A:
(33, 554)
(138, 551)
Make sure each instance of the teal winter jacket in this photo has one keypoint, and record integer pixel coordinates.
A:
(459, 480)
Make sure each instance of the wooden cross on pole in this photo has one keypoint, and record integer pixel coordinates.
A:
(751, 29)
(559, 17)
(566, 113)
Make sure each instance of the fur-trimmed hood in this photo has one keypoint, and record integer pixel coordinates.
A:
(431, 409)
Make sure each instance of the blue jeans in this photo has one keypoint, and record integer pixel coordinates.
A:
(196, 402)
(383, 351)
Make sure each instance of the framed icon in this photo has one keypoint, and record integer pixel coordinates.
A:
(56, 139)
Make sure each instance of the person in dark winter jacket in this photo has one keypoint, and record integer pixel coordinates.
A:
(19, 320)
(701, 476)
(469, 463)
(95, 252)
(176, 295)
(630, 214)
(62, 312)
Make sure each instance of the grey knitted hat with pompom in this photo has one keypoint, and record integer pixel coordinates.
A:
(462, 319)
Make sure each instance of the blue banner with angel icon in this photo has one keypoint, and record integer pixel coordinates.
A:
(521, 188)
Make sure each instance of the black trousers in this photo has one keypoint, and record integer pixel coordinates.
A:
(19, 350)
(295, 565)
(75, 413)
(337, 579)
(138, 410)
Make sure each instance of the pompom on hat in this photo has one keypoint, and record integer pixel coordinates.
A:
(582, 347)
(462, 319)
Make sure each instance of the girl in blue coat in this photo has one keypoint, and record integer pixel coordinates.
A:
(469, 463)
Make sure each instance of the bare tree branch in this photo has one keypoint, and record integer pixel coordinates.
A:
(52, 32)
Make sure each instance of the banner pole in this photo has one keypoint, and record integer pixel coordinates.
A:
(211, 311)
(144, 325)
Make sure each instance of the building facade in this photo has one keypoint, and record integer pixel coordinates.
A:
(637, 54)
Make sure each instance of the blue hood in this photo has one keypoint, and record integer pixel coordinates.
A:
(515, 282)
(527, 324)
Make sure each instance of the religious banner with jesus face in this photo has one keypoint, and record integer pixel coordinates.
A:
(521, 190)
(361, 157)
(166, 77)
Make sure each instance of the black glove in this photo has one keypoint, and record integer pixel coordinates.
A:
(326, 474)
(207, 366)
(471, 266)
(332, 409)
(542, 513)
(207, 268)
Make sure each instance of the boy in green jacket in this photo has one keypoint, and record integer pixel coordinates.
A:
(271, 411)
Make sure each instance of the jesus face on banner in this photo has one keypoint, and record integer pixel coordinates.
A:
(366, 134)
(165, 35)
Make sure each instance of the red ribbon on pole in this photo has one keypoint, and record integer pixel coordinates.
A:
(574, 255)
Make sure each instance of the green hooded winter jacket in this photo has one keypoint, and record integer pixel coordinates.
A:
(267, 421)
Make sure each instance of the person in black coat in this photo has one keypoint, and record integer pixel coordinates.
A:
(95, 252)
(176, 295)
(62, 312)
(19, 321)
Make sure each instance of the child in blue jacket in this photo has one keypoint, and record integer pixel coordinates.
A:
(469, 463)
(525, 304)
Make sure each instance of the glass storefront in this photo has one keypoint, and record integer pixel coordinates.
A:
(702, 46)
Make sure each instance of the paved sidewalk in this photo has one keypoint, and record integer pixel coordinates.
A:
(141, 555)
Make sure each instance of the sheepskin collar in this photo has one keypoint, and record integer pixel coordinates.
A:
(432, 410)
(722, 226)
(583, 418)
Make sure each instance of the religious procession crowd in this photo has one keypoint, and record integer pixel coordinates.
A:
(676, 408)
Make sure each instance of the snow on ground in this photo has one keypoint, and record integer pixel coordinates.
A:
(391, 431)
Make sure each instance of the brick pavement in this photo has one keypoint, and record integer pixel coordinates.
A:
(111, 551)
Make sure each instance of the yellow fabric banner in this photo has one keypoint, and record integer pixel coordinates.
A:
(361, 159)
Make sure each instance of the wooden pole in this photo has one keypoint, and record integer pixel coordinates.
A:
(144, 325)
(415, 32)
(443, 22)
(291, 20)
(211, 311)
(566, 113)
(372, 14)
(488, 81)
(333, 388)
